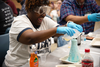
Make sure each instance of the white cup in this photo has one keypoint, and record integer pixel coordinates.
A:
(67, 37)
(43, 58)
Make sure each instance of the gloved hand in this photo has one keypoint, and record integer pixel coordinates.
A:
(75, 26)
(94, 17)
(64, 30)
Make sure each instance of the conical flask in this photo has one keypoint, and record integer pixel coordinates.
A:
(74, 55)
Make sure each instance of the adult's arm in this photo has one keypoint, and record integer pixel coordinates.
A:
(77, 19)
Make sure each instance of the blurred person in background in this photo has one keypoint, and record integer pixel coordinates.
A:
(55, 14)
(52, 5)
(32, 29)
(59, 3)
(22, 11)
(83, 12)
(6, 18)
(12, 5)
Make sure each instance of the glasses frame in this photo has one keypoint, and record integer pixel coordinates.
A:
(44, 8)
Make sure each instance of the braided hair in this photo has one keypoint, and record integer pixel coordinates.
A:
(32, 4)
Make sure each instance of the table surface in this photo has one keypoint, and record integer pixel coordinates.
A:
(53, 58)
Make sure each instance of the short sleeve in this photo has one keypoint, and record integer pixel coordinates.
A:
(66, 9)
(18, 27)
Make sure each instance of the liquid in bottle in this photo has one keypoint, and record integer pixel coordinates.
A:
(34, 60)
(87, 59)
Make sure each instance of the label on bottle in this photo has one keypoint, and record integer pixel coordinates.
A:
(34, 60)
(87, 63)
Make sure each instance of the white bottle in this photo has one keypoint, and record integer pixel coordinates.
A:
(83, 38)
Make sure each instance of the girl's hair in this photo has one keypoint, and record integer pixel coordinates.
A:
(32, 4)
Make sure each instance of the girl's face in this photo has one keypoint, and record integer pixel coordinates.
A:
(80, 2)
(37, 17)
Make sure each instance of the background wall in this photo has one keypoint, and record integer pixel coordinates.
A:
(98, 2)
(16, 4)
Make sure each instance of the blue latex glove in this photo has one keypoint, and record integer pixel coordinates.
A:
(94, 17)
(64, 30)
(75, 26)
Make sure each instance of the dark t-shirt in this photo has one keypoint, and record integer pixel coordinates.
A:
(6, 17)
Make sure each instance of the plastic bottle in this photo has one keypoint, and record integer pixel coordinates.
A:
(34, 60)
(87, 59)
(67, 37)
(83, 38)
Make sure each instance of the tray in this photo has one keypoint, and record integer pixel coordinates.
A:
(95, 42)
(63, 59)
(70, 65)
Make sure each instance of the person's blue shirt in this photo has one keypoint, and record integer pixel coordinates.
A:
(71, 7)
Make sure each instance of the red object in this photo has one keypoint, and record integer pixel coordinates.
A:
(87, 59)
(87, 50)
(12, 5)
(87, 63)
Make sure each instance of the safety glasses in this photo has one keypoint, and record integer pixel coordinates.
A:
(42, 9)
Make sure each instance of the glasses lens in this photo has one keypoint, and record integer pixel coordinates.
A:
(43, 9)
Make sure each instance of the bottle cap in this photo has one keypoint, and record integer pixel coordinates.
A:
(87, 50)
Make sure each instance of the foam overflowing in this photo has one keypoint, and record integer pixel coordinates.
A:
(74, 55)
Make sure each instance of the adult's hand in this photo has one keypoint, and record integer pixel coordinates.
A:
(75, 26)
(64, 30)
(95, 17)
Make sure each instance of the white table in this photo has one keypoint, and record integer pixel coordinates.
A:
(53, 58)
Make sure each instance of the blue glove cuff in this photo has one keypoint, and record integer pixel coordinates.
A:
(57, 31)
(69, 23)
(88, 18)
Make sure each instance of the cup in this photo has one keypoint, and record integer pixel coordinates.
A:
(43, 58)
(67, 37)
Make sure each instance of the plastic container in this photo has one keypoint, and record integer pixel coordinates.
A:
(67, 37)
(34, 61)
(83, 38)
(87, 60)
